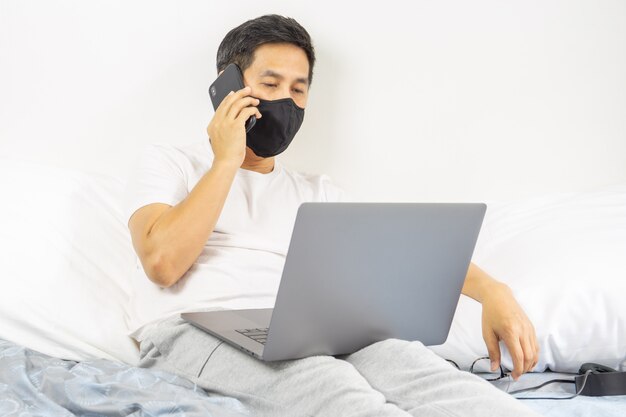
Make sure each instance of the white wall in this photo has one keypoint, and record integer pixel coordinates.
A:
(412, 100)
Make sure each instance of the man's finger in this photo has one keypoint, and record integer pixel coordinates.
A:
(535, 348)
(517, 354)
(246, 113)
(529, 353)
(491, 340)
(232, 97)
(238, 106)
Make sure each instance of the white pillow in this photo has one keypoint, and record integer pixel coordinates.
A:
(564, 256)
(65, 263)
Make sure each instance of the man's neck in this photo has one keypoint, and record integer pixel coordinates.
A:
(256, 163)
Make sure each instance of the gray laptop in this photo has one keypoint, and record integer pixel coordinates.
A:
(358, 273)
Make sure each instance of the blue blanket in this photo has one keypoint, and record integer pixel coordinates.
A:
(32, 383)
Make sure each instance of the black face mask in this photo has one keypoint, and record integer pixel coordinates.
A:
(272, 133)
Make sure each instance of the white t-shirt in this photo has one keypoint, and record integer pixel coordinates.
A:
(242, 261)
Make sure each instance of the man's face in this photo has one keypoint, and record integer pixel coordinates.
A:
(279, 70)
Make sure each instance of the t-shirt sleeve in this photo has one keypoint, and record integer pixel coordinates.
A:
(158, 177)
(331, 192)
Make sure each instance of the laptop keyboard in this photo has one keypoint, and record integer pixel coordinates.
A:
(258, 335)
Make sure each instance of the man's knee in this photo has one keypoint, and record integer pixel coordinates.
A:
(394, 345)
(176, 346)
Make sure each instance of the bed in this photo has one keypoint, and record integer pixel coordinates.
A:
(64, 348)
(580, 406)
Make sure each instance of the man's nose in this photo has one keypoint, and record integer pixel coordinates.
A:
(283, 93)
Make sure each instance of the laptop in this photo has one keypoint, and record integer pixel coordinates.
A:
(356, 274)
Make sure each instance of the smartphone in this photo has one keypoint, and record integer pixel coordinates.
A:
(229, 80)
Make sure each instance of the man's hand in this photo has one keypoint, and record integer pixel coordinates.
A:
(227, 131)
(502, 319)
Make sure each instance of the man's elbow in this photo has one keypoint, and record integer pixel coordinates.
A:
(161, 271)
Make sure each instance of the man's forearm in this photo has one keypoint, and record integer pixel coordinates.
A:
(478, 283)
(181, 232)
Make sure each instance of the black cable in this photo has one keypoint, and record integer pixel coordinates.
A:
(552, 382)
(454, 363)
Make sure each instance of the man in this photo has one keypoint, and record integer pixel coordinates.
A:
(211, 224)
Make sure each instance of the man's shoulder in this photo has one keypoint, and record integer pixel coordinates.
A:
(190, 151)
(186, 157)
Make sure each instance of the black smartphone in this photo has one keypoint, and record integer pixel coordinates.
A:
(229, 80)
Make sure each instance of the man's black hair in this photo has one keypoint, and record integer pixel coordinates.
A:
(239, 44)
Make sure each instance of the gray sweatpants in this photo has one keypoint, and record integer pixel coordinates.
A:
(388, 378)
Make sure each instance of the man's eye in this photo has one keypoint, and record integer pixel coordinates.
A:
(269, 85)
(298, 91)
